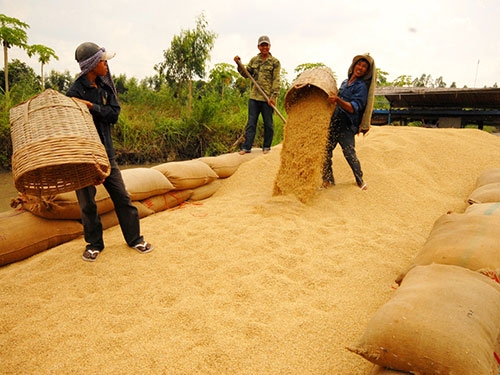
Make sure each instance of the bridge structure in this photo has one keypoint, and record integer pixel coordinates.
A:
(438, 107)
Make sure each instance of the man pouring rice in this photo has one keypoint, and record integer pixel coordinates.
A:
(351, 108)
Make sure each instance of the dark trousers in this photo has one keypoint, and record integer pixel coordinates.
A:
(340, 132)
(127, 213)
(255, 108)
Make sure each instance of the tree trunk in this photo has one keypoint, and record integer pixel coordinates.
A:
(190, 97)
(43, 81)
(6, 68)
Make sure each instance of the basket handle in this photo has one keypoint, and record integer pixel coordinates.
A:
(26, 111)
(80, 106)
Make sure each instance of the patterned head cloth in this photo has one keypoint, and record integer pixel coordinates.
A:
(88, 56)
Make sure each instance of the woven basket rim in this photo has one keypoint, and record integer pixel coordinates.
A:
(320, 77)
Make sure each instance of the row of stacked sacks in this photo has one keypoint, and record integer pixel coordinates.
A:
(40, 223)
(444, 318)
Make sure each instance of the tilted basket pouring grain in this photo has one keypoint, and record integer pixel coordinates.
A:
(55, 144)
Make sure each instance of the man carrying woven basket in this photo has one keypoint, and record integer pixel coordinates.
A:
(95, 88)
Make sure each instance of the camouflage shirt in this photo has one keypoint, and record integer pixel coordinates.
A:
(267, 75)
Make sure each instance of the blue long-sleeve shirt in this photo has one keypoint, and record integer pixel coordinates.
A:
(357, 94)
(105, 111)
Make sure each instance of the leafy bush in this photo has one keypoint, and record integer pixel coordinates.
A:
(156, 125)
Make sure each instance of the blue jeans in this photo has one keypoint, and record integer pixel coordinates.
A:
(127, 213)
(255, 108)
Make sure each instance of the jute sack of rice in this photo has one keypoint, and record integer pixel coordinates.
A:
(187, 174)
(469, 241)
(224, 165)
(305, 134)
(483, 209)
(166, 201)
(205, 191)
(24, 234)
(65, 205)
(55, 145)
(485, 194)
(441, 320)
(142, 183)
(379, 370)
(488, 177)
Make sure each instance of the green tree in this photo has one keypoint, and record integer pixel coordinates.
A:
(12, 33)
(44, 55)
(439, 82)
(285, 85)
(382, 78)
(221, 76)
(23, 81)
(121, 83)
(187, 56)
(306, 66)
(425, 80)
(59, 81)
(402, 81)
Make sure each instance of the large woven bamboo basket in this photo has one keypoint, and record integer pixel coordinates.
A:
(55, 145)
(321, 77)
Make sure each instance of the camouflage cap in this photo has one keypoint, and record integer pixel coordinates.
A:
(264, 39)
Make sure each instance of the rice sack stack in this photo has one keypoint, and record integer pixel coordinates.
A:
(55, 145)
(305, 135)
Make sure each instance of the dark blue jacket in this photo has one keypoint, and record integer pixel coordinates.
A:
(356, 93)
(105, 111)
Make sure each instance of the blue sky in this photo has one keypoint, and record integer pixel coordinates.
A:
(454, 39)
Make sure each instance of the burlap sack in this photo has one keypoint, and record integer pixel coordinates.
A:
(487, 209)
(366, 120)
(224, 165)
(379, 370)
(24, 234)
(205, 191)
(142, 183)
(442, 320)
(166, 201)
(470, 241)
(489, 176)
(485, 194)
(187, 174)
(65, 205)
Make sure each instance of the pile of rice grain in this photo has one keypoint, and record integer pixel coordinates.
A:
(243, 282)
(304, 144)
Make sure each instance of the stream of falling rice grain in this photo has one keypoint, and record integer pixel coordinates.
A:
(304, 144)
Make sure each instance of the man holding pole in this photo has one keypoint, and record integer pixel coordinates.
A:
(264, 72)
